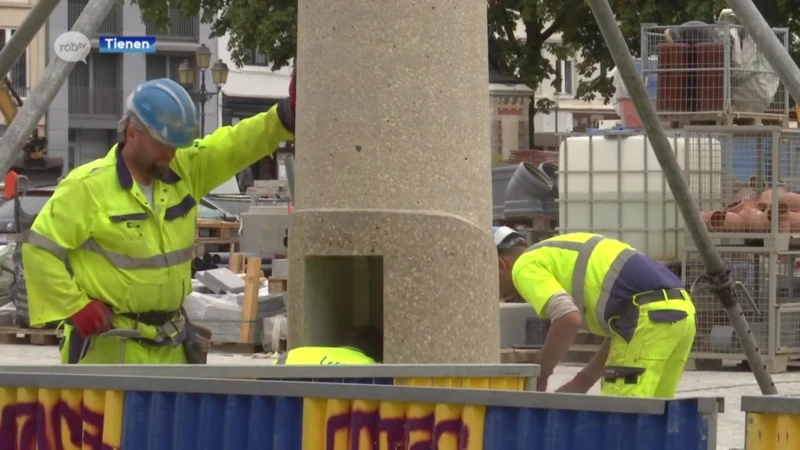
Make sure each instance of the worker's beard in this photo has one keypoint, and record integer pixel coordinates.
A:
(158, 172)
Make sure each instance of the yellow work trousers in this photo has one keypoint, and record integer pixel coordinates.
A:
(660, 345)
(111, 350)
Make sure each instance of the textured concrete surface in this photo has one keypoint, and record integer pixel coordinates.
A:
(392, 127)
(729, 384)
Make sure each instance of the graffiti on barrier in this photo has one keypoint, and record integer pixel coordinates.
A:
(400, 432)
(27, 425)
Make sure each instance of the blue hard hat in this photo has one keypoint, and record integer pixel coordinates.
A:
(167, 110)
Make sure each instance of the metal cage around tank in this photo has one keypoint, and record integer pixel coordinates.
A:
(748, 194)
(711, 73)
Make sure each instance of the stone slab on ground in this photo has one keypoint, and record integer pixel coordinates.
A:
(730, 384)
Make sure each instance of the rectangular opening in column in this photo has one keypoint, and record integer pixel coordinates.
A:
(341, 294)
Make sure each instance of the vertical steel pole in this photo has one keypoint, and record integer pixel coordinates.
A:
(21, 38)
(46, 89)
(769, 44)
(717, 272)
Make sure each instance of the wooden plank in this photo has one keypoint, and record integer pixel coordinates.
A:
(236, 262)
(250, 301)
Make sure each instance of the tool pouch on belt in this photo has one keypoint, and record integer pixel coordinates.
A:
(197, 343)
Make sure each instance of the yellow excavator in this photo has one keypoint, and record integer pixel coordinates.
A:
(34, 163)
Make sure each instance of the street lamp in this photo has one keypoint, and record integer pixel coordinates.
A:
(187, 75)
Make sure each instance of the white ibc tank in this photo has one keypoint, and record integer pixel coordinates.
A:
(612, 184)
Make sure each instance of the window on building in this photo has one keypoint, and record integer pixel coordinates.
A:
(19, 71)
(565, 71)
(256, 59)
(94, 87)
(101, 71)
(166, 66)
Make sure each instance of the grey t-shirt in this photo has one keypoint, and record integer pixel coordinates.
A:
(147, 190)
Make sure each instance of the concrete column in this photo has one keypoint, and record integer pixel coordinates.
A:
(134, 65)
(393, 210)
(57, 123)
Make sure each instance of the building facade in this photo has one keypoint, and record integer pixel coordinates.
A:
(82, 120)
(511, 99)
(29, 68)
(251, 89)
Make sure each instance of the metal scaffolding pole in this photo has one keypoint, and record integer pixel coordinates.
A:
(718, 275)
(46, 89)
(20, 40)
(769, 44)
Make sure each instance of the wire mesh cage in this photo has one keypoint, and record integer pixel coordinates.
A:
(712, 70)
(769, 293)
(745, 179)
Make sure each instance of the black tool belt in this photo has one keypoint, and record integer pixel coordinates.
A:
(152, 318)
(660, 295)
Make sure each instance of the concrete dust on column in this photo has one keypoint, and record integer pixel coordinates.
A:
(392, 213)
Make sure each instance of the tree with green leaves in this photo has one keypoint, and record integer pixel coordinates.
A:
(270, 28)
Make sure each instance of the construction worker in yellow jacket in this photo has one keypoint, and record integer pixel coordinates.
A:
(637, 304)
(125, 224)
(364, 346)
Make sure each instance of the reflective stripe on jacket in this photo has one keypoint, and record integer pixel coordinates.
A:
(123, 252)
(324, 355)
(582, 264)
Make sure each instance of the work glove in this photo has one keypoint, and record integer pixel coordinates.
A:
(93, 319)
(580, 384)
(286, 106)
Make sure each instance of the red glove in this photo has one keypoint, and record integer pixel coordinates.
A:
(92, 319)
(580, 384)
(292, 91)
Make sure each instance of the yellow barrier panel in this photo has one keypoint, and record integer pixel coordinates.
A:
(70, 419)
(334, 424)
(494, 383)
(773, 431)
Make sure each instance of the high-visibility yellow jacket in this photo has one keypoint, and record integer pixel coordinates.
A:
(583, 265)
(324, 355)
(122, 252)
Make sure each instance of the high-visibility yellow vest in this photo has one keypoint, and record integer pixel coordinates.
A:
(584, 265)
(131, 255)
(324, 355)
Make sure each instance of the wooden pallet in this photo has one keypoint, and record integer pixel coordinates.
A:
(585, 346)
(30, 336)
(215, 229)
(236, 348)
(225, 245)
(717, 119)
(278, 285)
(539, 222)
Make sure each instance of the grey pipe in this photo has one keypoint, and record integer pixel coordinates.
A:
(46, 89)
(288, 162)
(680, 190)
(22, 38)
(768, 44)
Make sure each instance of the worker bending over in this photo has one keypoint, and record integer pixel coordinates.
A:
(126, 225)
(364, 346)
(638, 305)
